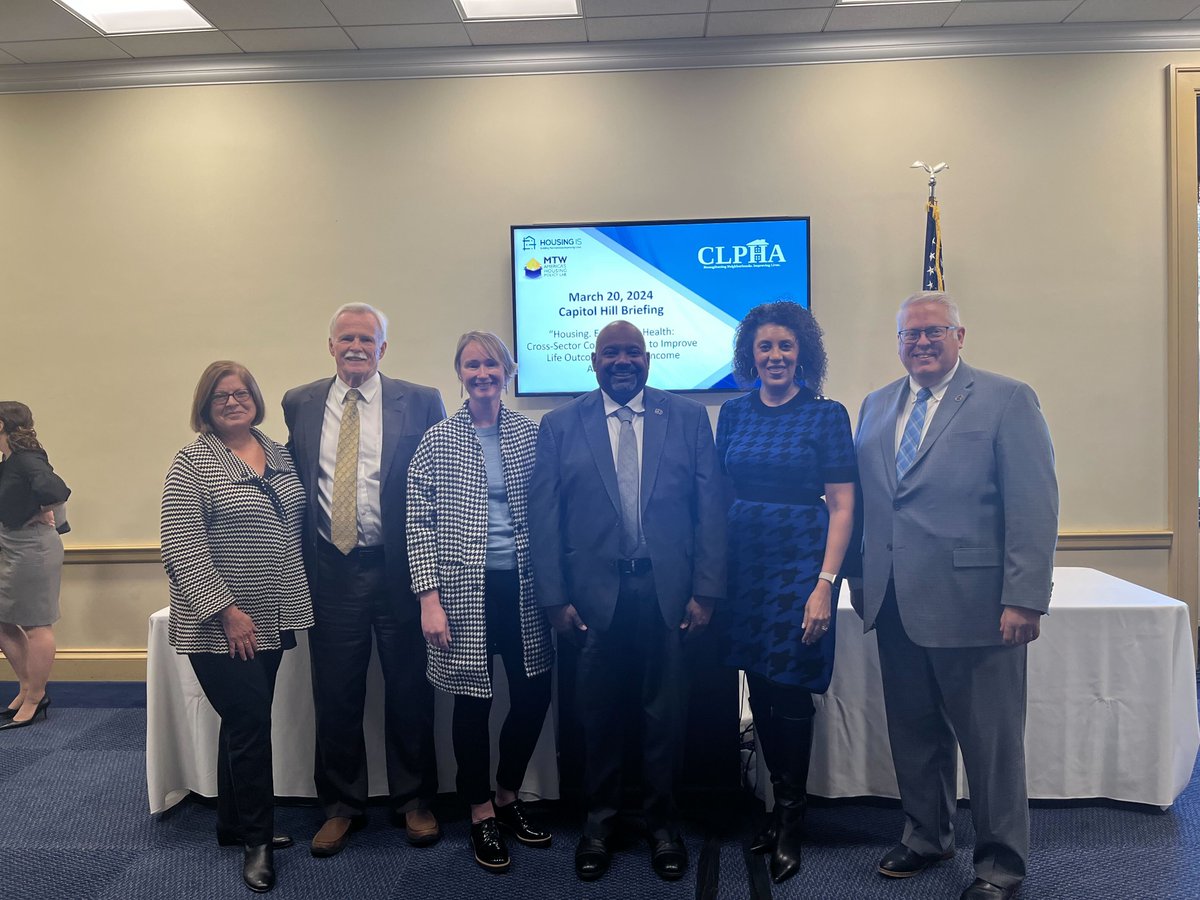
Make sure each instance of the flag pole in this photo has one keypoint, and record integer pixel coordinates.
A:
(933, 276)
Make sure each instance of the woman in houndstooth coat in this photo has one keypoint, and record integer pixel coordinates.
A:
(468, 548)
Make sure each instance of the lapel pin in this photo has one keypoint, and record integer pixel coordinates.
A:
(958, 399)
(658, 410)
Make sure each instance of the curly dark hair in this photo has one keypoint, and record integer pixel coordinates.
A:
(812, 360)
(18, 425)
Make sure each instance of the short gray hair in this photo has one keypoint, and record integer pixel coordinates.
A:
(365, 309)
(941, 298)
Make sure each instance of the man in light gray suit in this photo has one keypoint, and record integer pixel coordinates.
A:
(959, 507)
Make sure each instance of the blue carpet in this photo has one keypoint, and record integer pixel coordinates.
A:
(88, 694)
(74, 823)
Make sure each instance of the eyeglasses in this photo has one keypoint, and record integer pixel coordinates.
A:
(933, 332)
(220, 398)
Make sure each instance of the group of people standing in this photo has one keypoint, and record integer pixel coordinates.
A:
(620, 523)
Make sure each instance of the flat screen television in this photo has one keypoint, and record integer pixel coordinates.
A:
(685, 284)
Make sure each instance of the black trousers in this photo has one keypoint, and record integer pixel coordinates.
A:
(632, 675)
(352, 603)
(241, 692)
(529, 698)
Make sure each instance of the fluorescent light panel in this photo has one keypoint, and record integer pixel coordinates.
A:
(137, 16)
(476, 10)
(889, 2)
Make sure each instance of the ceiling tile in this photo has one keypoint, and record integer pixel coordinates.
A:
(532, 31)
(379, 37)
(180, 43)
(744, 5)
(898, 15)
(641, 7)
(1131, 10)
(230, 14)
(285, 40)
(64, 51)
(39, 20)
(8, 59)
(1011, 12)
(780, 21)
(391, 12)
(640, 28)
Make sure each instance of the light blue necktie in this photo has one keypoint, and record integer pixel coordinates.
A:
(628, 480)
(910, 441)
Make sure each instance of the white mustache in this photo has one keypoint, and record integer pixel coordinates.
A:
(355, 354)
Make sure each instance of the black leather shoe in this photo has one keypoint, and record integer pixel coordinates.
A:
(669, 859)
(985, 890)
(488, 845)
(514, 818)
(42, 709)
(901, 862)
(7, 713)
(227, 839)
(258, 868)
(592, 857)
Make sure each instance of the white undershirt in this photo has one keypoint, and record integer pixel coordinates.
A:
(638, 405)
(931, 405)
(370, 456)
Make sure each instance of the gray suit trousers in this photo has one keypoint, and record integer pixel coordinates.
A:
(933, 696)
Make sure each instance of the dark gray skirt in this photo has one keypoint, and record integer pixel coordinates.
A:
(31, 560)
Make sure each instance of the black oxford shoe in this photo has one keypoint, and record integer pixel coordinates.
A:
(488, 846)
(592, 858)
(901, 862)
(514, 818)
(227, 839)
(985, 890)
(669, 859)
(258, 868)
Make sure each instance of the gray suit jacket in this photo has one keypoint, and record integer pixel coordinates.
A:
(972, 525)
(575, 508)
(408, 411)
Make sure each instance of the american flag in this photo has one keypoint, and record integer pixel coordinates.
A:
(933, 276)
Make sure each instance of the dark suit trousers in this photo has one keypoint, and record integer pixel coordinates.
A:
(241, 692)
(933, 695)
(529, 698)
(631, 675)
(351, 600)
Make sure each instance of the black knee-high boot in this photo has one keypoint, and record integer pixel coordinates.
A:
(766, 739)
(791, 794)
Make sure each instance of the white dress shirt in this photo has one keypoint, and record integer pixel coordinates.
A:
(370, 458)
(931, 405)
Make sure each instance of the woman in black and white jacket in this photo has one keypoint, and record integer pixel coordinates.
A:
(232, 511)
(468, 548)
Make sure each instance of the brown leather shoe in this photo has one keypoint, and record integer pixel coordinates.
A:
(421, 827)
(332, 837)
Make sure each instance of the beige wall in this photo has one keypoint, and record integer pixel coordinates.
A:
(148, 232)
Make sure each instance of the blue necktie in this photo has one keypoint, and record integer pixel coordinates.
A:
(910, 441)
(628, 480)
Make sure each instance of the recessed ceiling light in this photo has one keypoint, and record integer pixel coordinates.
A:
(137, 16)
(517, 9)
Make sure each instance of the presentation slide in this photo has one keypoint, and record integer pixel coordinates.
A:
(686, 285)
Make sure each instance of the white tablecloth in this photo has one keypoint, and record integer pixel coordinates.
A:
(181, 729)
(1112, 710)
(1112, 700)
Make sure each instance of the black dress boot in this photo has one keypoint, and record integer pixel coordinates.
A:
(258, 868)
(791, 796)
(767, 741)
(764, 840)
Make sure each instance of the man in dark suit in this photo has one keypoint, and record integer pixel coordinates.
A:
(960, 516)
(628, 535)
(352, 437)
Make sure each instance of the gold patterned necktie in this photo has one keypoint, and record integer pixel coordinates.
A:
(344, 515)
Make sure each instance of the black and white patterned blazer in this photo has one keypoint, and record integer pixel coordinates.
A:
(447, 544)
(230, 535)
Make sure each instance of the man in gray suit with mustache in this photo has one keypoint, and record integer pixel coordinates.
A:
(959, 516)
